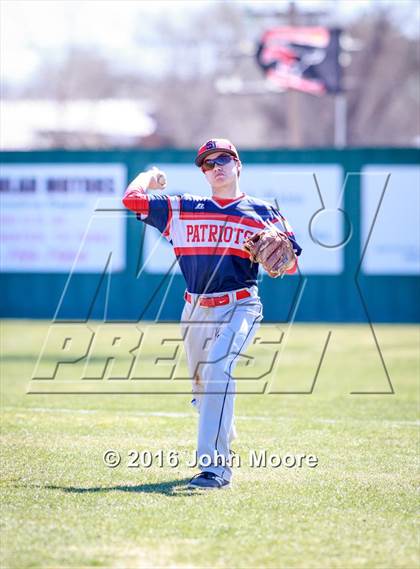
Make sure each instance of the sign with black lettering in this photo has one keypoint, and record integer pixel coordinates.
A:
(47, 213)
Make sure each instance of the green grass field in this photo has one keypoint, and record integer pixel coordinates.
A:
(62, 507)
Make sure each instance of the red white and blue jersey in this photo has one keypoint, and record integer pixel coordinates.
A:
(207, 235)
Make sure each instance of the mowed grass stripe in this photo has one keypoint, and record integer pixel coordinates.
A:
(61, 507)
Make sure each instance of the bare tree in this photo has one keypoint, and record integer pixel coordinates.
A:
(80, 73)
(384, 93)
(382, 86)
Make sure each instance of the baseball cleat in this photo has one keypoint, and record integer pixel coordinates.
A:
(208, 481)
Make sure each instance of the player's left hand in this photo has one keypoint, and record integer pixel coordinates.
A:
(272, 249)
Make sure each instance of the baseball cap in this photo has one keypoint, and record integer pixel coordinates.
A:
(215, 145)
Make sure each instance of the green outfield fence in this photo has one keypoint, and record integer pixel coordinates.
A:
(348, 296)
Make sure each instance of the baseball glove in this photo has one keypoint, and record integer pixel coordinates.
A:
(272, 249)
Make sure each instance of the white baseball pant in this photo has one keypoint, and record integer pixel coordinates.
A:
(214, 338)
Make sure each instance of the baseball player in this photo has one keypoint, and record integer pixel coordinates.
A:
(219, 242)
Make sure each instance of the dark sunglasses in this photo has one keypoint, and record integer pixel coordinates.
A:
(221, 160)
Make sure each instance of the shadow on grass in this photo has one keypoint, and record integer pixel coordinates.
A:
(168, 488)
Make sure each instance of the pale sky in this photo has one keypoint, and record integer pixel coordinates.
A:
(31, 28)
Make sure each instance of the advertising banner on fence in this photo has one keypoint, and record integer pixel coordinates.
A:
(48, 221)
(390, 206)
